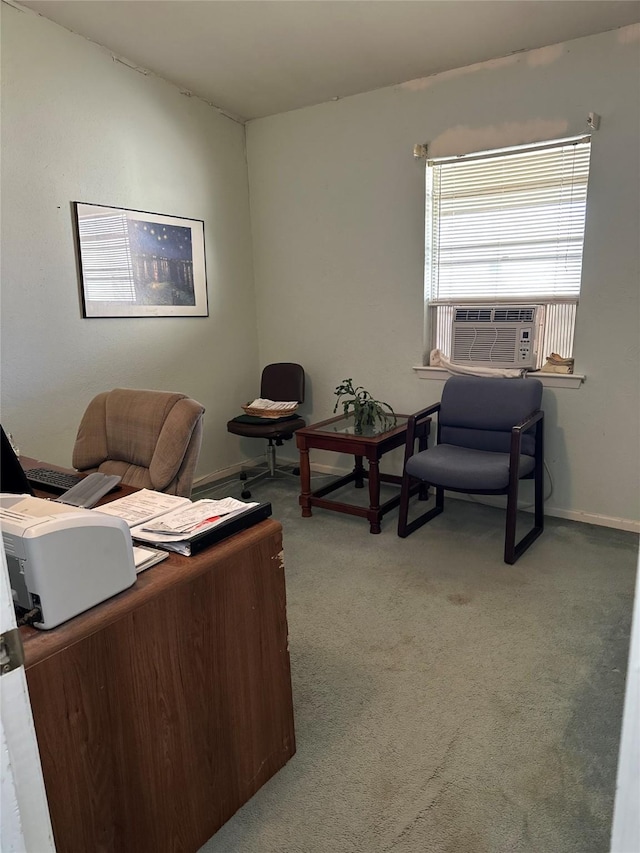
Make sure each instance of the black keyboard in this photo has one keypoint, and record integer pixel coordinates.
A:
(51, 481)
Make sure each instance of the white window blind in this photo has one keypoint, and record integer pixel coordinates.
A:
(508, 224)
(107, 266)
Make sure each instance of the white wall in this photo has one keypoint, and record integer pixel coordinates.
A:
(625, 832)
(78, 126)
(337, 208)
(337, 216)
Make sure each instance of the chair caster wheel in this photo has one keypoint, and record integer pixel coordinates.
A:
(243, 475)
(245, 493)
(296, 471)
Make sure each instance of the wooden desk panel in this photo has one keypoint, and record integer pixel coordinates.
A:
(163, 710)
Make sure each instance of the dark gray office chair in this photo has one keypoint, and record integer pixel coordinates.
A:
(489, 437)
(282, 382)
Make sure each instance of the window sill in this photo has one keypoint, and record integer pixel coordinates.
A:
(549, 380)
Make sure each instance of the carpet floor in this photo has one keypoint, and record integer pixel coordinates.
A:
(444, 701)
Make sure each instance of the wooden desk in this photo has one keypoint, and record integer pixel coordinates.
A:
(338, 434)
(161, 711)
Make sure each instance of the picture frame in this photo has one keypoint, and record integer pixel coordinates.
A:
(134, 263)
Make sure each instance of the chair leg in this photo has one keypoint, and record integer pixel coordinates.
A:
(271, 459)
(510, 526)
(406, 527)
(539, 479)
(403, 511)
(271, 471)
(513, 551)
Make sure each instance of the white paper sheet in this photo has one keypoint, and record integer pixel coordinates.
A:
(187, 521)
(142, 506)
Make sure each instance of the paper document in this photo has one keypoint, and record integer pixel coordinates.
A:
(272, 404)
(144, 558)
(175, 529)
(142, 506)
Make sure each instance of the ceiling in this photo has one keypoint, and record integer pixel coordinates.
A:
(253, 58)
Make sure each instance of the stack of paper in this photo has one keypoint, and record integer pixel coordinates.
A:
(171, 522)
(262, 403)
(142, 506)
(144, 558)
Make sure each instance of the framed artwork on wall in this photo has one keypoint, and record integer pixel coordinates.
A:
(138, 264)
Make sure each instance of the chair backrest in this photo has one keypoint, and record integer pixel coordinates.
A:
(150, 438)
(478, 412)
(283, 382)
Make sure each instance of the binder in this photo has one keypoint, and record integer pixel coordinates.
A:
(199, 541)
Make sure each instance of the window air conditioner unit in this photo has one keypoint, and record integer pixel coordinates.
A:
(496, 335)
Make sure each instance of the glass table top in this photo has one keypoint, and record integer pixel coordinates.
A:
(345, 426)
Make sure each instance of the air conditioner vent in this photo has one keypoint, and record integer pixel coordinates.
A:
(473, 315)
(487, 344)
(513, 315)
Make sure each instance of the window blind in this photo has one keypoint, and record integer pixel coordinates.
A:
(106, 258)
(507, 225)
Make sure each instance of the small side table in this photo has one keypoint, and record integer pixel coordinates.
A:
(338, 434)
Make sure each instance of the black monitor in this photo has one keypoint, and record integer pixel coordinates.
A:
(12, 477)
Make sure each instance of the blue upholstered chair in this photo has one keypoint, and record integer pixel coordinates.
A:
(489, 437)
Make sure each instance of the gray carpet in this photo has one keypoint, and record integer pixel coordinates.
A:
(444, 701)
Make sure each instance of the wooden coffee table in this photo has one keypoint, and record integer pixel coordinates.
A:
(338, 434)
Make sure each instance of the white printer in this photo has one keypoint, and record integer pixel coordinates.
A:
(63, 559)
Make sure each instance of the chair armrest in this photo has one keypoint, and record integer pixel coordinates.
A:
(90, 449)
(423, 413)
(414, 423)
(516, 434)
(523, 426)
(174, 442)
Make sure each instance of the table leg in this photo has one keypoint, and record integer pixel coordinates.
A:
(359, 473)
(374, 496)
(305, 483)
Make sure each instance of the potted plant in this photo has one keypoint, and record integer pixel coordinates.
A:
(367, 412)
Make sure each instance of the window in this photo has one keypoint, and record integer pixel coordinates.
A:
(507, 226)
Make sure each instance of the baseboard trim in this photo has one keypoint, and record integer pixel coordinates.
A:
(234, 470)
(595, 518)
(222, 474)
(228, 473)
(627, 524)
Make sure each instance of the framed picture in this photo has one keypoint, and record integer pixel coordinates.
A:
(138, 264)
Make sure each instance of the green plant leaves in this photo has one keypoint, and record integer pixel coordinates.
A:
(367, 411)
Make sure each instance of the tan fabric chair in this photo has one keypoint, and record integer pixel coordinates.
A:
(150, 438)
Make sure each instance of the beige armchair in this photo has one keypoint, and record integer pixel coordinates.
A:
(150, 438)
